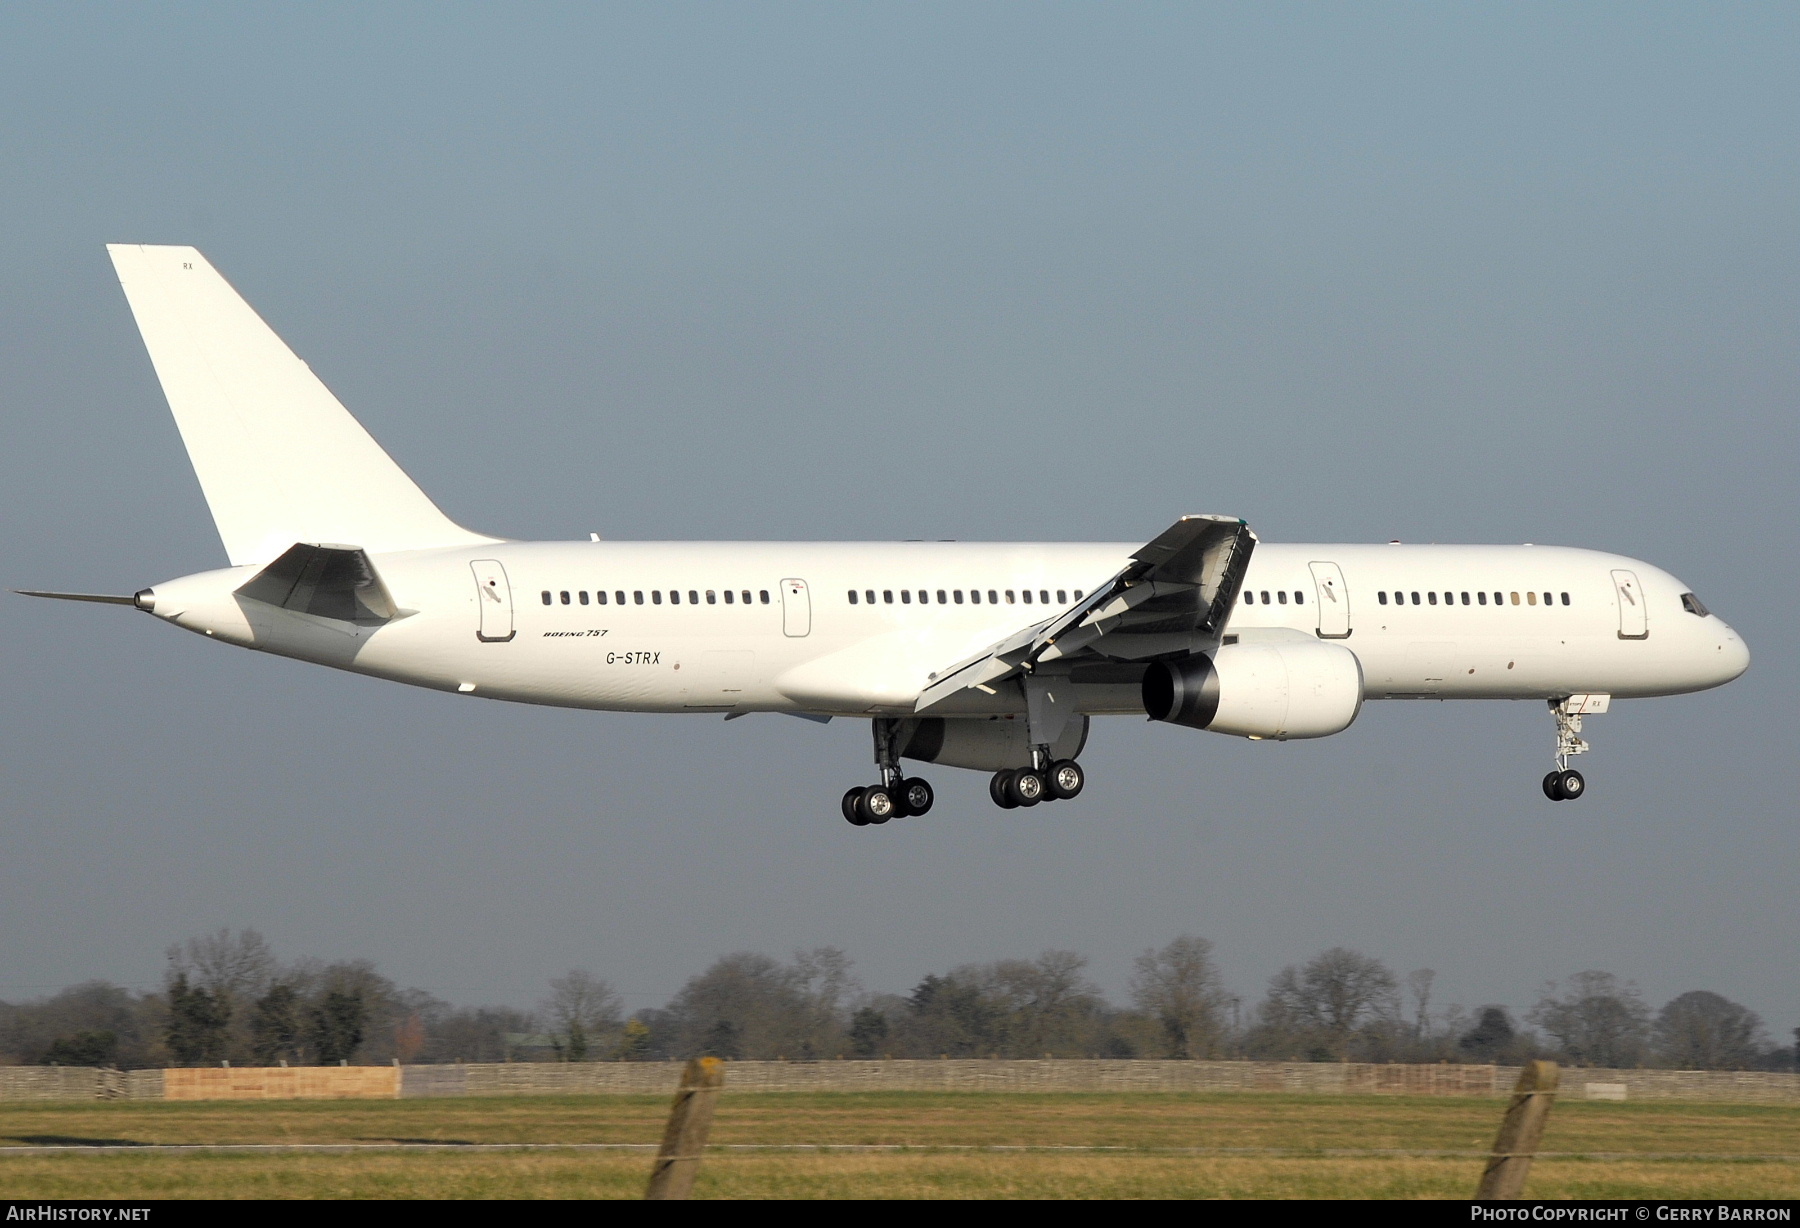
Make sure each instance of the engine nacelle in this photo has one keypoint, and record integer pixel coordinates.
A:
(987, 743)
(1279, 690)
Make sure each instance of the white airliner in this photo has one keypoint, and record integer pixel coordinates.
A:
(973, 655)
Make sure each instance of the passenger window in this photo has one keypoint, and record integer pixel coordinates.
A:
(656, 596)
(746, 596)
(546, 596)
(1265, 597)
(1043, 596)
(583, 595)
(994, 598)
(1481, 597)
(1465, 599)
(674, 596)
(941, 600)
(619, 597)
(1499, 599)
(906, 596)
(712, 598)
(1449, 598)
(887, 596)
(1026, 594)
(1282, 596)
(1249, 597)
(637, 596)
(1061, 597)
(1415, 597)
(728, 596)
(869, 595)
(1565, 598)
(600, 597)
(693, 597)
(1299, 597)
(1381, 597)
(974, 596)
(1530, 598)
(1009, 596)
(924, 597)
(764, 594)
(1547, 600)
(958, 595)
(852, 596)
(564, 595)
(1431, 597)
(1515, 599)
(1078, 594)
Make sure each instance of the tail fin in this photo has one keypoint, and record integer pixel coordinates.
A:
(279, 459)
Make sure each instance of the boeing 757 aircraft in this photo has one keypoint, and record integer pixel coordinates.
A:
(988, 656)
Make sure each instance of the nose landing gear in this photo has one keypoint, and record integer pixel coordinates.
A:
(1565, 784)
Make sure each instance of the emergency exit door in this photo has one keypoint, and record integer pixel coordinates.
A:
(796, 608)
(1634, 619)
(1333, 601)
(493, 597)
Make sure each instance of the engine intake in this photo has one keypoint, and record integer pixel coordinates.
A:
(1279, 691)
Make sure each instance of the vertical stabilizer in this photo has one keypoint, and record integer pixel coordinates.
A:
(279, 459)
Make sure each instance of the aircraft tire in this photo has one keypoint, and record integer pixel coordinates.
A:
(1551, 790)
(852, 800)
(916, 796)
(1570, 785)
(1065, 781)
(1026, 787)
(876, 805)
(1000, 789)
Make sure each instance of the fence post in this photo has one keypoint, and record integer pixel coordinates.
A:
(1521, 1130)
(690, 1120)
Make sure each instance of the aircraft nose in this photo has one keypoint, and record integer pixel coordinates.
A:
(1732, 655)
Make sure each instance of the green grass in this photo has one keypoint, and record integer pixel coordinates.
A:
(1669, 1150)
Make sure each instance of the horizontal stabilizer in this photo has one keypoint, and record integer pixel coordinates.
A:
(324, 581)
(102, 598)
(279, 459)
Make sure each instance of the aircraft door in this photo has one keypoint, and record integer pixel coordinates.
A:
(1634, 619)
(796, 608)
(494, 597)
(1334, 601)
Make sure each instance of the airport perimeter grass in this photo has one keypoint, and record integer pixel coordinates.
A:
(1632, 1150)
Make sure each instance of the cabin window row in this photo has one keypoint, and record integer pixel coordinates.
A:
(1480, 599)
(1281, 597)
(656, 595)
(955, 596)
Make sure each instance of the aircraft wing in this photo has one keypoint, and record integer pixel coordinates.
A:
(1178, 588)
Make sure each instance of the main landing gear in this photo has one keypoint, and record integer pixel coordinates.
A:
(1565, 784)
(1014, 787)
(897, 796)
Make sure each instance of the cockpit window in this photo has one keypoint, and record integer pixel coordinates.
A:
(1692, 605)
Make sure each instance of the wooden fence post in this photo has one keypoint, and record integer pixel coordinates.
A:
(1521, 1130)
(690, 1120)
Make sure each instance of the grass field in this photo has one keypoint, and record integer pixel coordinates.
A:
(1219, 1146)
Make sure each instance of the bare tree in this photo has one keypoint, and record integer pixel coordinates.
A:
(1418, 986)
(1179, 987)
(1706, 1031)
(231, 967)
(581, 1008)
(1598, 1021)
(1330, 997)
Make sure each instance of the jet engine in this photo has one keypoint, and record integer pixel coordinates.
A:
(987, 744)
(1278, 690)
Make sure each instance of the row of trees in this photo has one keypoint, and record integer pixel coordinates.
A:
(225, 997)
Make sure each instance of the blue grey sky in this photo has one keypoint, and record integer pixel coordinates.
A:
(1440, 273)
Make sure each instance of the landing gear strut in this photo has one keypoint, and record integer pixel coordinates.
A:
(898, 795)
(1565, 784)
